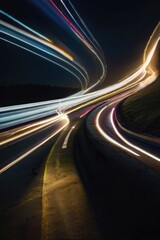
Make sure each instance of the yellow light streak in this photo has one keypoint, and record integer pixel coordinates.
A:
(15, 161)
(25, 130)
(46, 43)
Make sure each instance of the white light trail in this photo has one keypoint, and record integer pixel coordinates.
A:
(12, 116)
(107, 137)
(15, 161)
(128, 142)
(24, 25)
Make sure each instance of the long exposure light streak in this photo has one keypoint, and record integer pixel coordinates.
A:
(82, 38)
(128, 142)
(43, 46)
(40, 35)
(24, 25)
(75, 30)
(34, 42)
(12, 135)
(45, 58)
(107, 137)
(15, 161)
(30, 36)
(100, 59)
(78, 24)
(84, 25)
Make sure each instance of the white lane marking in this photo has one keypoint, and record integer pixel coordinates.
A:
(67, 138)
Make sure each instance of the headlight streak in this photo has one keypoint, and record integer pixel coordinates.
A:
(43, 46)
(153, 38)
(107, 137)
(45, 58)
(84, 25)
(24, 113)
(15, 161)
(66, 104)
(140, 70)
(70, 102)
(69, 23)
(128, 142)
(82, 38)
(79, 25)
(43, 37)
(19, 132)
(100, 59)
(8, 29)
(23, 25)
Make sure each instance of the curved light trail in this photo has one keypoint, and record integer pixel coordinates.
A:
(44, 47)
(47, 59)
(24, 25)
(107, 137)
(47, 113)
(21, 157)
(128, 142)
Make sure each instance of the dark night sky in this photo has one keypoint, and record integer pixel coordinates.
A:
(122, 29)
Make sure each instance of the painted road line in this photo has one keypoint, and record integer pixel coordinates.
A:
(67, 138)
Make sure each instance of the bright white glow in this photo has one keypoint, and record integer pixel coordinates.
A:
(34, 148)
(12, 135)
(12, 116)
(129, 143)
(107, 137)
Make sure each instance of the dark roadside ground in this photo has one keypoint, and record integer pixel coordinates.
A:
(141, 112)
(123, 192)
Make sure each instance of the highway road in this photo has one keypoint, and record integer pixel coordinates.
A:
(28, 172)
(55, 178)
(41, 192)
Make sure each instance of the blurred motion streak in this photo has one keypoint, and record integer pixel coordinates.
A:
(19, 121)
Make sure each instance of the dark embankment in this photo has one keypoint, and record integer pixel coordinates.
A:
(141, 112)
(123, 192)
(19, 94)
